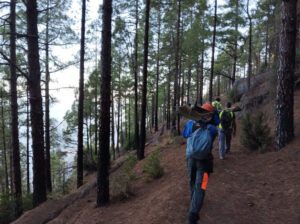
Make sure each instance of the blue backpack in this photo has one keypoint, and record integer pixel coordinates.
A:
(199, 144)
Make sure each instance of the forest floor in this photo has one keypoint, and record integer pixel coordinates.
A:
(245, 188)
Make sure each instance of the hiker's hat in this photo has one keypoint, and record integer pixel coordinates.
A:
(195, 112)
(208, 107)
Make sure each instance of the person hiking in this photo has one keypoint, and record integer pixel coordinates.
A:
(217, 104)
(200, 133)
(227, 128)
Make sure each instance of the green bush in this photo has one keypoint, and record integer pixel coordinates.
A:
(27, 202)
(255, 133)
(121, 182)
(6, 209)
(89, 163)
(152, 166)
(129, 164)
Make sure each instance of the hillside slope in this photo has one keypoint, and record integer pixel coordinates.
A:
(245, 188)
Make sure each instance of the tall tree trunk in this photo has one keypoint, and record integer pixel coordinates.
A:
(14, 112)
(169, 100)
(211, 79)
(36, 113)
(189, 85)
(285, 74)
(113, 124)
(182, 88)
(27, 142)
(88, 146)
(81, 99)
(201, 78)
(197, 81)
(267, 38)
(119, 114)
(4, 142)
(121, 128)
(175, 129)
(250, 48)
(47, 105)
(140, 153)
(96, 114)
(104, 156)
(125, 118)
(235, 41)
(152, 111)
(129, 120)
(157, 66)
(136, 115)
(90, 131)
(219, 85)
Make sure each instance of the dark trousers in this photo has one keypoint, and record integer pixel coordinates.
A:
(228, 134)
(198, 179)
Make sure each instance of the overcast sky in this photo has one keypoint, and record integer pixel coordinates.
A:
(70, 76)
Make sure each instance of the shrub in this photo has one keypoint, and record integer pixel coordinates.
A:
(255, 133)
(152, 166)
(121, 181)
(89, 163)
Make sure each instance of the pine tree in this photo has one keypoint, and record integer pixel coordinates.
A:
(81, 99)
(285, 74)
(36, 113)
(141, 151)
(213, 53)
(14, 112)
(104, 134)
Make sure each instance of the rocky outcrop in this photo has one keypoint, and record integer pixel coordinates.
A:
(260, 92)
(240, 87)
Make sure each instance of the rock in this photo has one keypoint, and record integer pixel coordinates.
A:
(240, 87)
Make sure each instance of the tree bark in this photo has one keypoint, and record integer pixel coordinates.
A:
(189, 85)
(81, 99)
(104, 135)
(27, 142)
(119, 114)
(96, 114)
(169, 100)
(267, 38)
(47, 105)
(250, 48)
(235, 42)
(157, 67)
(201, 78)
(285, 74)
(113, 125)
(14, 113)
(211, 79)
(136, 115)
(4, 143)
(140, 153)
(175, 128)
(36, 114)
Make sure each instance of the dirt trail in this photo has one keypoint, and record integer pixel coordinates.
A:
(244, 189)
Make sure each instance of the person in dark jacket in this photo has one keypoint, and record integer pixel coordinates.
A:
(199, 170)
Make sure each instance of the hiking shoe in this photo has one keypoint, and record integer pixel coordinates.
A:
(193, 218)
(222, 158)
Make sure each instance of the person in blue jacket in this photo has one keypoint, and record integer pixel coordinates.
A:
(199, 170)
